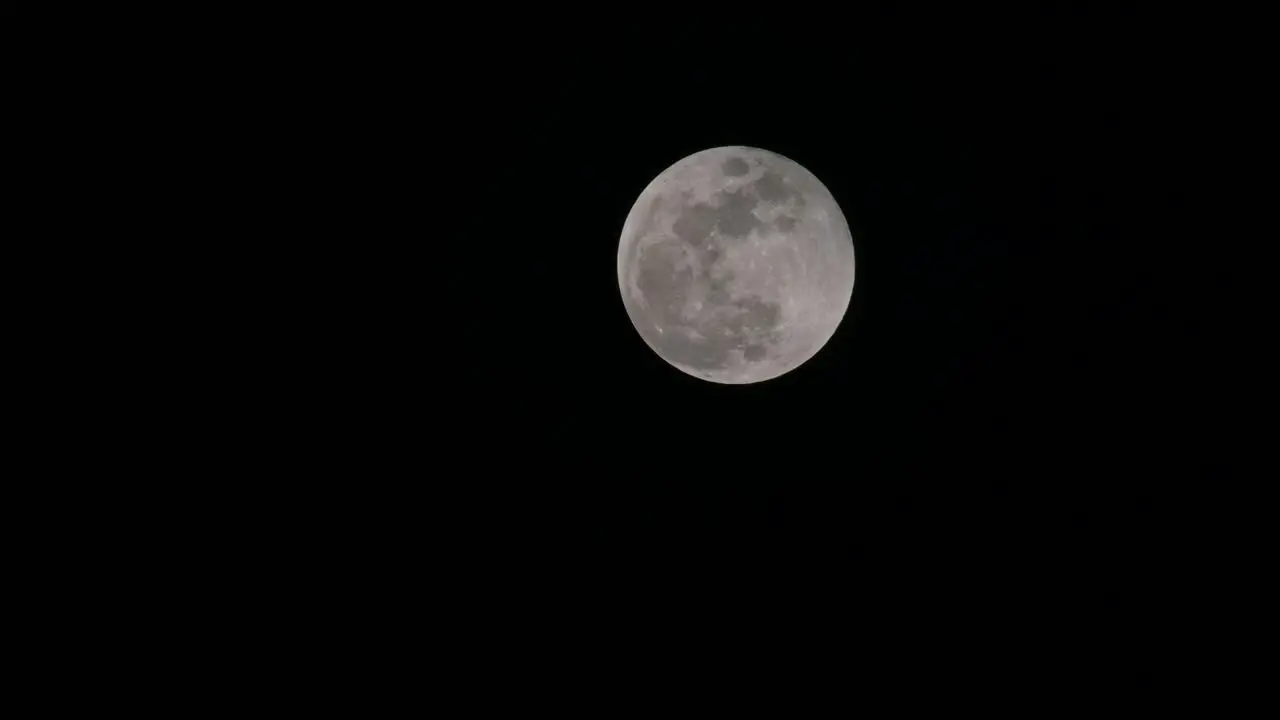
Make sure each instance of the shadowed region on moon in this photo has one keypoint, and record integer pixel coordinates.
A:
(747, 282)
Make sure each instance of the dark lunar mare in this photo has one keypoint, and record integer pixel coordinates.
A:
(773, 187)
(734, 217)
(735, 167)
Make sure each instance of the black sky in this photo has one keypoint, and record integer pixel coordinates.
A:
(994, 437)
(336, 397)
(1010, 350)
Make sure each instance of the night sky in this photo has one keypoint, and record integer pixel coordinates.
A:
(990, 445)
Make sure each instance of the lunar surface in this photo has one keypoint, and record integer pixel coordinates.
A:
(736, 265)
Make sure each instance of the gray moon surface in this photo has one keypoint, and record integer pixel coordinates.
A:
(736, 265)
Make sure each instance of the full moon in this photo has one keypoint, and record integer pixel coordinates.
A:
(736, 265)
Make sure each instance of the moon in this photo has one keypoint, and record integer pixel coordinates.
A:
(736, 265)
